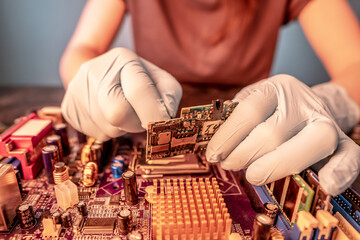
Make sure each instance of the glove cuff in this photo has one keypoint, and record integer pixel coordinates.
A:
(346, 112)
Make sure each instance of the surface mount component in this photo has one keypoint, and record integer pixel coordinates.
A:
(188, 134)
(189, 209)
(101, 225)
(10, 196)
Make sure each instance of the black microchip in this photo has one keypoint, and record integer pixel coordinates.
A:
(114, 200)
(99, 226)
(84, 195)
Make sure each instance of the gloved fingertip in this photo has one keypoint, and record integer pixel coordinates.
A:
(255, 177)
(211, 155)
(330, 185)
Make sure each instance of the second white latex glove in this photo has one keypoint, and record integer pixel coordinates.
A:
(119, 92)
(279, 128)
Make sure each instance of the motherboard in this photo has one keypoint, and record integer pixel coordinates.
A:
(56, 183)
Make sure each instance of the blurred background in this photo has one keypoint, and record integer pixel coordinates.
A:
(33, 35)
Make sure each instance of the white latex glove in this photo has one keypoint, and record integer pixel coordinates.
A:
(119, 92)
(280, 127)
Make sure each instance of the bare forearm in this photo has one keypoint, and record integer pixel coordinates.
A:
(97, 27)
(72, 60)
(350, 80)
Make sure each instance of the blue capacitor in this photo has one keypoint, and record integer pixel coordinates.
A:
(117, 169)
(119, 158)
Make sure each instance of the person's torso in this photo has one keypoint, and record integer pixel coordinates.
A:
(177, 35)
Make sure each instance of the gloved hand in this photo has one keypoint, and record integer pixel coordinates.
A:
(280, 127)
(119, 92)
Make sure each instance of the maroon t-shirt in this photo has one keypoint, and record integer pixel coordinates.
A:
(175, 34)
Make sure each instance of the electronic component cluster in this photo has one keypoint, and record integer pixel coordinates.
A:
(56, 183)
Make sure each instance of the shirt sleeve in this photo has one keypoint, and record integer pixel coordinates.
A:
(293, 9)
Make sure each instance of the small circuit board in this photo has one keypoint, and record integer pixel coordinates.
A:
(188, 134)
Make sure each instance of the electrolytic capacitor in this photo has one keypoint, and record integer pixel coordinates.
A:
(130, 187)
(124, 221)
(82, 208)
(96, 152)
(26, 216)
(55, 140)
(117, 169)
(262, 227)
(66, 220)
(60, 173)
(50, 156)
(60, 130)
(271, 209)
(119, 158)
(57, 217)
